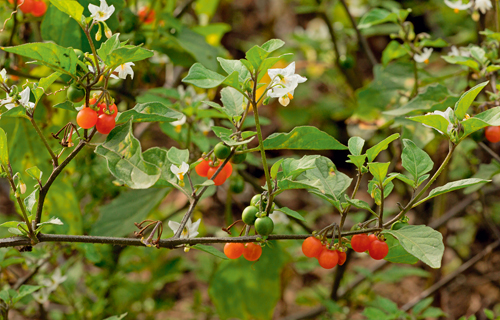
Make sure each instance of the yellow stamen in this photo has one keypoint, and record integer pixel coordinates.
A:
(181, 176)
(205, 133)
(426, 61)
(178, 128)
(290, 96)
(456, 10)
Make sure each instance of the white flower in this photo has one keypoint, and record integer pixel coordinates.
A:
(424, 57)
(50, 285)
(204, 127)
(180, 172)
(284, 82)
(448, 114)
(459, 52)
(101, 13)
(178, 124)
(124, 70)
(279, 217)
(483, 5)
(25, 98)
(190, 230)
(3, 75)
(8, 103)
(458, 5)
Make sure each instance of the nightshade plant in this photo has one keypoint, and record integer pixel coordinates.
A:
(243, 93)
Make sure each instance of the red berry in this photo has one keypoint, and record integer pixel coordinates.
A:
(342, 257)
(86, 118)
(229, 169)
(360, 242)
(234, 250)
(252, 251)
(221, 177)
(39, 8)
(112, 109)
(312, 247)
(378, 249)
(105, 123)
(150, 15)
(202, 168)
(492, 134)
(372, 237)
(328, 258)
(27, 6)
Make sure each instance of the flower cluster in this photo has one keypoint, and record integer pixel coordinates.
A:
(479, 5)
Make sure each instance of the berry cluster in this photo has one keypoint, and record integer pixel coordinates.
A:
(254, 215)
(147, 15)
(377, 248)
(207, 168)
(100, 117)
(36, 7)
(250, 251)
(327, 257)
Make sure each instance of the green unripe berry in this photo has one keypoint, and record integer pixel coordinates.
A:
(249, 215)
(264, 226)
(255, 200)
(222, 151)
(79, 54)
(398, 225)
(237, 185)
(239, 158)
(75, 94)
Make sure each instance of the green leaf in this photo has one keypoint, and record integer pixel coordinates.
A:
(405, 179)
(433, 312)
(292, 168)
(204, 78)
(35, 173)
(464, 61)
(53, 221)
(24, 290)
(452, 186)
(429, 99)
(44, 84)
(126, 54)
(333, 183)
(4, 149)
(375, 193)
(303, 138)
(489, 314)
(211, 250)
(375, 314)
(358, 161)
(355, 145)
(30, 201)
(373, 152)
(178, 156)
(54, 56)
(125, 161)
(10, 224)
(275, 168)
(235, 65)
(270, 62)
(359, 204)
(234, 102)
(487, 172)
(256, 55)
(435, 121)
(397, 254)
(421, 241)
(394, 50)
(118, 216)
(291, 213)
(379, 169)
(225, 135)
(416, 161)
(236, 286)
(108, 46)
(16, 112)
(120, 317)
(466, 100)
(71, 7)
(273, 45)
(149, 112)
(422, 305)
(206, 183)
(436, 43)
(377, 16)
(66, 105)
(489, 117)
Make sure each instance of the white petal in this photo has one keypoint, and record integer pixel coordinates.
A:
(174, 225)
(194, 227)
(175, 169)
(184, 168)
(93, 9)
(25, 96)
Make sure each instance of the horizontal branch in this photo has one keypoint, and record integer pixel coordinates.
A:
(164, 243)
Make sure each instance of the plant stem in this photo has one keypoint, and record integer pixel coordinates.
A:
(55, 162)
(413, 202)
(259, 136)
(343, 214)
(170, 243)
(23, 208)
(381, 208)
(361, 38)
